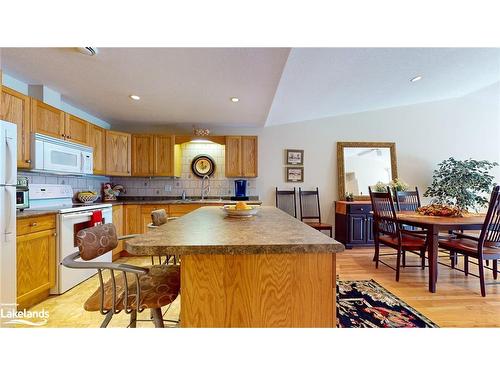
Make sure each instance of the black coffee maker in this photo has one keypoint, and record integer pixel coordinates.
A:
(240, 190)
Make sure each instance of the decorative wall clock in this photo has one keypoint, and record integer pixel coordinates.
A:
(203, 165)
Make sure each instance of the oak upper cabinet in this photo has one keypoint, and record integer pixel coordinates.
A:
(142, 155)
(249, 147)
(76, 129)
(233, 156)
(167, 160)
(15, 108)
(46, 119)
(97, 140)
(241, 156)
(118, 153)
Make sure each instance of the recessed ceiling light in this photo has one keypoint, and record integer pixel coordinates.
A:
(235, 100)
(415, 79)
(135, 97)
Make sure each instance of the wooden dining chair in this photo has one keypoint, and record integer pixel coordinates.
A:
(159, 218)
(388, 231)
(130, 288)
(286, 200)
(483, 248)
(310, 210)
(407, 200)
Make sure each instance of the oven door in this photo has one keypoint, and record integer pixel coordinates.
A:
(69, 225)
(61, 158)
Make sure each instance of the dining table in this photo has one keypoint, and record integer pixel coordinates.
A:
(266, 270)
(434, 225)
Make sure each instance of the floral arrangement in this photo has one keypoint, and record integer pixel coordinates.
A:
(397, 184)
(380, 187)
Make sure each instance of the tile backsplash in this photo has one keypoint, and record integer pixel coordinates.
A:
(188, 182)
(83, 183)
(157, 186)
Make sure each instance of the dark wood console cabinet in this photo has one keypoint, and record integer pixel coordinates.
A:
(354, 223)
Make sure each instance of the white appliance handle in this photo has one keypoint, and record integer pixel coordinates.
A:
(11, 161)
(76, 216)
(10, 221)
(3, 153)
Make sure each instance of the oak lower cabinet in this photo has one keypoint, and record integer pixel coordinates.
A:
(241, 156)
(354, 223)
(118, 223)
(15, 108)
(132, 219)
(118, 153)
(36, 259)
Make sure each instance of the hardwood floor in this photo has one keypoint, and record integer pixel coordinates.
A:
(457, 303)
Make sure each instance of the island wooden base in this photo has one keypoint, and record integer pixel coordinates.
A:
(261, 290)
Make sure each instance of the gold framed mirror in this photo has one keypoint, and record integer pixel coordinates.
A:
(363, 164)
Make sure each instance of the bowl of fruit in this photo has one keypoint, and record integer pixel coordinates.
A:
(240, 209)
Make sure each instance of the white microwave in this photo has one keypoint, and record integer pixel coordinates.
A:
(55, 155)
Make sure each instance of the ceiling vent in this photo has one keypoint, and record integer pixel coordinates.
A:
(89, 51)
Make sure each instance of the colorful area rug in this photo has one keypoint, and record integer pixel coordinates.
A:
(366, 304)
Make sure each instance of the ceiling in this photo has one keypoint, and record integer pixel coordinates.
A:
(324, 82)
(176, 85)
(186, 86)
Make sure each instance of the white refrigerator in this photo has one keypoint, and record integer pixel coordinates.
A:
(8, 181)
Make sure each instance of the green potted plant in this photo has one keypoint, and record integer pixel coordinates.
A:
(464, 184)
(399, 185)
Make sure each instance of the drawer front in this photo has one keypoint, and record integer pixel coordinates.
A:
(360, 208)
(36, 224)
(147, 208)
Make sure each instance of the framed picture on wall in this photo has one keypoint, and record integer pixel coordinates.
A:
(295, 157)
(294, 174)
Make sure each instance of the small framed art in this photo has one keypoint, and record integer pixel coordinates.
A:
(295, 157)
(294, 174)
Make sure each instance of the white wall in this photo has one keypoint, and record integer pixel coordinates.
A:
(425, 134)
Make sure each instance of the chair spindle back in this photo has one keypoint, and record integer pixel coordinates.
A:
(384, 213)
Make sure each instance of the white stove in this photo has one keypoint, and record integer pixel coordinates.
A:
(71, 218)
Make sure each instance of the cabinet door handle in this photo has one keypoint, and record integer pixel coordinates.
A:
(28, 161)
(34, 224)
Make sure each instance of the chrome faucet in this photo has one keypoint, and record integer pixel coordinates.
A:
(205, 189)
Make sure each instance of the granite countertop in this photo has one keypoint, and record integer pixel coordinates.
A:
(29, 213)
(178, 200)
(209, 231)
(34, 213)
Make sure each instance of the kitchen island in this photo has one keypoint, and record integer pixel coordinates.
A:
(270, 270)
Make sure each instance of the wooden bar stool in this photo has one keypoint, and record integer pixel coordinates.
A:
(130, 288)
(159, 218)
